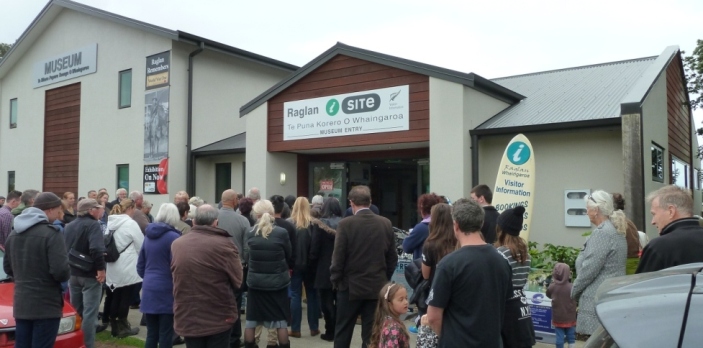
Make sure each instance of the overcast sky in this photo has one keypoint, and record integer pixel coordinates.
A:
(490, 38)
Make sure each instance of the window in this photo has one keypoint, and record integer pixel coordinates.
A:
(679, 173)
(123, 176)
(125, 97)
(13, 113)
(657, 163)
(10, 181)
(223, 179)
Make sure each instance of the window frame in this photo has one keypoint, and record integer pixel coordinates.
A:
(660, 158)
(117, 183)
(16, 103)
(119, 89)
(687, 184)
(10, 181)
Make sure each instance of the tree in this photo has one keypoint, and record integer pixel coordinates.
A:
(4, 48)
(693, 69)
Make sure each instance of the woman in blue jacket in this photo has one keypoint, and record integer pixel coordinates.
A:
(413, 243)
(154, 266)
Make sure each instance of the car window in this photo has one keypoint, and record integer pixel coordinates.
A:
(693, 335)
(3, 275)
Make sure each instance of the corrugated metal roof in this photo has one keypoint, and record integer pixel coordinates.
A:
(569, 95)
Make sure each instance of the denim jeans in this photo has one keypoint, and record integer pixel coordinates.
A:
(159, 331)
(296, 307)
(36, 333)
(570, 333)
(85, 298)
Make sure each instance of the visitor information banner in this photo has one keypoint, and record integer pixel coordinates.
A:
(515, 183)
(374, 111)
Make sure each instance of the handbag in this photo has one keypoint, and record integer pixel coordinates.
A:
(426, 338)
(80, 261)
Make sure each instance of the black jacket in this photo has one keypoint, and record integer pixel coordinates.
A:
(680, 242)
(321, 251)
(269, 259)
(37, 260)
(86, 236)
(489, 224)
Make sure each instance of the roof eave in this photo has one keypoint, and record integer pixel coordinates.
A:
(547, 127)
(471, 80)
(634, 99)
(233, 51)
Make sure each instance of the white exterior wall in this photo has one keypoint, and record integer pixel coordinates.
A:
(592, 159)
(454, 110)
(108, 135)
(205, 175)
(654, 129)
(264, 168)
(221, 85)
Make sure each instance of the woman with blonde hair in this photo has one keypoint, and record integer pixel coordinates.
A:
(267, 251)
(304, 270)
(103, 198)
(603, 256)
(121, 275)
(69, 214)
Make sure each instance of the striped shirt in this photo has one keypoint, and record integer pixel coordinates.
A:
(520, 271)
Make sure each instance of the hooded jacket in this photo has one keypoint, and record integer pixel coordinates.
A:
(37, 278)
(321, 250)
(563, 307)
(128, 240)
(154, 266)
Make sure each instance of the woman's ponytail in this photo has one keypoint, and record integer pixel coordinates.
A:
(619, 220)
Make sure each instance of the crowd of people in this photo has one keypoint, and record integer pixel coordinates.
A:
(188, 268)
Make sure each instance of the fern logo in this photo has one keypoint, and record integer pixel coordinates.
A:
(332, 107)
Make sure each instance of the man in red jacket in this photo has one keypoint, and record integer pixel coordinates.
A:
(206, 272)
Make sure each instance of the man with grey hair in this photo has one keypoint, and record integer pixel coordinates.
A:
(138, 216)
(680, 238)
(26, 201)
(206, 273)
(92, 194)
(254, 194)
(236, 225)
(120, 194)
(84, 235)
(462, 312)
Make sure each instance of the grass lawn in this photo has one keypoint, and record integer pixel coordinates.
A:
(106, 340)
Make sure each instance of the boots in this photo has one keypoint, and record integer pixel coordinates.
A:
(287, 345)
(250, 345)
(125, 329)
(114, 327)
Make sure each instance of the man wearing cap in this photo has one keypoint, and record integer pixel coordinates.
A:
(38, 302)
(13, 200)
(85, 236)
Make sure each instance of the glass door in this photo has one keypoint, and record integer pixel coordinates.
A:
(329, 179)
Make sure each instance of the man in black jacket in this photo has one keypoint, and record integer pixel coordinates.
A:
(38, 302)
(85, 236)
(681, 236)
(363, 260)
(483, 195)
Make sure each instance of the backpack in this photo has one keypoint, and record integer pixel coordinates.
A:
(111, 252)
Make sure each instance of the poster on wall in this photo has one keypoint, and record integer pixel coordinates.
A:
(156, 178)
(158, 67)
(156, 106)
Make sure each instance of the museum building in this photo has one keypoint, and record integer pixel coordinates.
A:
(123, 103)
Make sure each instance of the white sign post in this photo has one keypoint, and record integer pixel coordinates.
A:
(365, 112)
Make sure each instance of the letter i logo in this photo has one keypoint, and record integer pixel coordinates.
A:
(332, 107)
(518, 153)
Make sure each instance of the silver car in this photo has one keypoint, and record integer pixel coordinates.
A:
(658, 309)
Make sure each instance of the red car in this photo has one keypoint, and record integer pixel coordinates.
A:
(70, 334)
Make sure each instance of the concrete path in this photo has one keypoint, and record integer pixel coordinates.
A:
(306, 340)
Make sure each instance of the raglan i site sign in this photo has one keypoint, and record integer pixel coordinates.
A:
(515, 183)
(365, 112)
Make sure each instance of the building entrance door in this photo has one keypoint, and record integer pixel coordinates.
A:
(329, 179)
